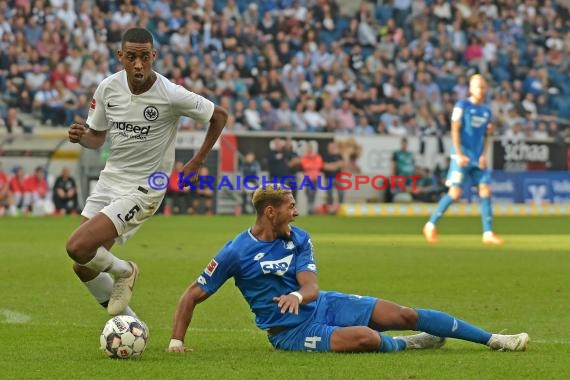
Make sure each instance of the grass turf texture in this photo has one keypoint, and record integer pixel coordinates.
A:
(522, 286)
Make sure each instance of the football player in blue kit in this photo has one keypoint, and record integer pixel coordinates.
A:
(471, 135)
(273, 265)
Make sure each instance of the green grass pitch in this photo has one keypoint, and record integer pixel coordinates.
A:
(50, 325)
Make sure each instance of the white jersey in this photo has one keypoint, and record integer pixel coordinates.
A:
(142, 128)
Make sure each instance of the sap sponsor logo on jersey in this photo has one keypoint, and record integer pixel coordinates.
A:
(478, 121)
(131, 130)
(277, 267)
(211, 268)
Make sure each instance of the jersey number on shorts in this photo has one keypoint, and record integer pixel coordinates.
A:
(130, 214)
(311, 342)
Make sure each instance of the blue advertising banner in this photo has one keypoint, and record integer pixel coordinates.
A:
(530, 187)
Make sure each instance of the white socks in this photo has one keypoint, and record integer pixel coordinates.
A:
(105, 261)
(100, 287)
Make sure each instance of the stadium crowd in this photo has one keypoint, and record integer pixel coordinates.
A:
(392, 67)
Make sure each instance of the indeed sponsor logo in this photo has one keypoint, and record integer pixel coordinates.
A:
(131, 130)
(561, 186)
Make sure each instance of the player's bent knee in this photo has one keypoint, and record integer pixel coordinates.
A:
(370, 341)
(77, 249)
(355, 339)
(366, 340)
(455, 193)
(484, 191)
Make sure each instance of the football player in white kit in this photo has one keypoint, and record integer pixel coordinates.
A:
(139, 109)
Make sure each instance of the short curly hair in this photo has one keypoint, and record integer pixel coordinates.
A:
(138, 35)
(269, 195)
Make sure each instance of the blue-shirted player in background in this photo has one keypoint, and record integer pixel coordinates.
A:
(274, 267)
(471, 135)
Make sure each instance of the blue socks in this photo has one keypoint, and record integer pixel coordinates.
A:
(442, 207)
(486, 214)
(389, 344)
(441, 324)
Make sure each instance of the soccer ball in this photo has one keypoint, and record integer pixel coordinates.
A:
(123, 337)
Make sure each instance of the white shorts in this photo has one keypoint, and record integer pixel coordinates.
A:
(127, 211)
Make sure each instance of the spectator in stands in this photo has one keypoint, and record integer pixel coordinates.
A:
(425, 188)
(19, 191)
(180, 199)
(333, 164)
(293, 162)
(253, 117)
(65, 193)
(39, 193)
(14, 124)
(203, 196)
(6, 197)
(403, 165)
(312, 166)
(250, 170)
(410, 39)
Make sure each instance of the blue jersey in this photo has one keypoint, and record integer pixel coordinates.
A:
(263, 270)
(475, 119)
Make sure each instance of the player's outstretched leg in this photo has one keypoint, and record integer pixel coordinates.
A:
(442, 324)
(518, 342)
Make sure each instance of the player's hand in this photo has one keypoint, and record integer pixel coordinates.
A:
(176, 345)
(287, 302)
(462, 160)
(179, 349)
(76, 131)
(192, 166)
(483, 162)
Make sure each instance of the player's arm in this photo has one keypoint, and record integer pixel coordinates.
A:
(183, 316)
(308, 292)
(456, 125)
(85, 136)
(486, 147)
(217, 123)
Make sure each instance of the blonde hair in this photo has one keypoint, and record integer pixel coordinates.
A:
(475, 77)
(269, 195)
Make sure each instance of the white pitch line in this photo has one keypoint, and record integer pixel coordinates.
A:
(14, 317)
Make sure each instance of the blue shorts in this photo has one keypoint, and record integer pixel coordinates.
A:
(457, 174)
(333, 310)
